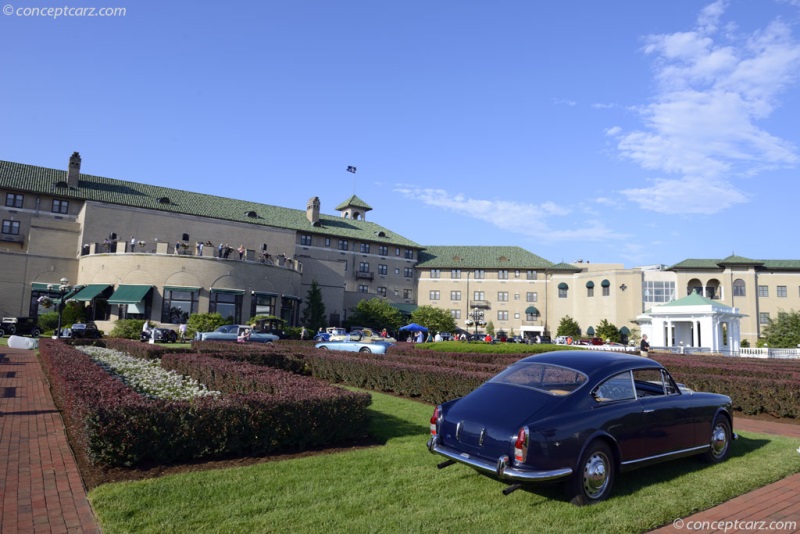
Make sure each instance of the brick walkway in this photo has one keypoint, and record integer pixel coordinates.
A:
(41, 488)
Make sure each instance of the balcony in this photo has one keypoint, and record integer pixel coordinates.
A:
(364, 276)
(479, 304)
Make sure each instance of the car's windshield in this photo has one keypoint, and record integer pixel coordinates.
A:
(552, 379)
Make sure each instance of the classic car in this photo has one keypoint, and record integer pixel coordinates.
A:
(19, 326)
(367, 334)
(356, 343)
(330, 331)
(581, 417)
(235, 332)
(85, 330)
(160, 335)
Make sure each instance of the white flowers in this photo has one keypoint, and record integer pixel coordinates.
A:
(147, 377)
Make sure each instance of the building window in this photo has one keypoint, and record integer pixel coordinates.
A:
(502, 274)
(434, 295)
(363, 288)
(455, 295)
(502, 315)
(763, 318)
(455, 274)
(589, 291)
(10, 227)
(516, 273)
(408, 272)
(409, 254)
(606, 291)
(14, 200)
(563, 293)
(383, 250)
(343, 244)
(531, 275)
(456, 314)
(226, 304)
(305, 240)
(739, 288)
(60, 206)
(781, 291)
(763, 291)
(382, 291)
(397, 251)
(365, 248)
(502, 296)
(263, 305)
(478, 295)
(363, 267)
(397, 270)
(407, 294)
(383, 269)
(658, 291)
(516, 296)
(531, 316)
(177, 306)
(480, 274)
(436, 273)
(531, 296)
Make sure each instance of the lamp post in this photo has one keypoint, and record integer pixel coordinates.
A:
(63, 287)
(476, 318)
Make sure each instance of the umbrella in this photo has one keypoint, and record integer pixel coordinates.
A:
(414, 327)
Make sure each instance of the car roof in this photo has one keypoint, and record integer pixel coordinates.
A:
(593, 362)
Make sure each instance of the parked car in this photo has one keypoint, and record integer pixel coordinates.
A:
(234, 332)
(357, 343)
(85, 331)
(20, 326)
(160, 335)
(365, 333)
(582, 417)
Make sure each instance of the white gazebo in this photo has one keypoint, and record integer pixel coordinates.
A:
(693, 321)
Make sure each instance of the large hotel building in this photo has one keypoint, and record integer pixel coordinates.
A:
(131, 250)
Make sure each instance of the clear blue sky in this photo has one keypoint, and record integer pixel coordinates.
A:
(622, 131)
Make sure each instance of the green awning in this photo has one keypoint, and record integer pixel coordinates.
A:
(624, 331)
(129, 294)
(264, 294)
(531, 310)
(187, 289)
(590, 331)
(605, 283)
(91, 291)
(590, 284)
(227, 291)
(41, 286)
(563, 285)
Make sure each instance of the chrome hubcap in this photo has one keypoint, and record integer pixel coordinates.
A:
(719, 440)
(595, 475)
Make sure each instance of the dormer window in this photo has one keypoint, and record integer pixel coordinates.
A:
(251, 214)
(163, 200)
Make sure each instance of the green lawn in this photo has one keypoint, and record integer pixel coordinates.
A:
(397, 488)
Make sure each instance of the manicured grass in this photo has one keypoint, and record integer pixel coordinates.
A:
(397, 488)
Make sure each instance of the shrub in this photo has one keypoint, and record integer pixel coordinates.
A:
(127, 328)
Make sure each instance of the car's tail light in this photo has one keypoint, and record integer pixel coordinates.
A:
(435, 420)
(521, 445)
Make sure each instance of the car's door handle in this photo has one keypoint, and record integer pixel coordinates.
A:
(648, 411)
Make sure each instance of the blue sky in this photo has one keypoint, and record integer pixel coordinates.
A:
(617, 131)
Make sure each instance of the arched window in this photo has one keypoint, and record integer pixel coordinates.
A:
(739, 288)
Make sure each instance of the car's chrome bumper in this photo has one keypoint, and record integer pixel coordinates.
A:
(500, 469)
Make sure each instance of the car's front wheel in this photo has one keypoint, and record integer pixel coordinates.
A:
(720, 441)
(36, 332)
(12, 330)
(364, 349)
(595, 475)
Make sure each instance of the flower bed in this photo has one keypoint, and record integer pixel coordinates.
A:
(114, 426)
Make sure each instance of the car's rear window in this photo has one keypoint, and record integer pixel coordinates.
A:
(552, 379)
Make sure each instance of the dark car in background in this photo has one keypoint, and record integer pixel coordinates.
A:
(85, 331)
(20, 326)
(160, 335)
(580, 417)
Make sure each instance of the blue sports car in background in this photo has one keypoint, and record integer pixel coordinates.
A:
(236, 332)
(356, 343)
(580, 417)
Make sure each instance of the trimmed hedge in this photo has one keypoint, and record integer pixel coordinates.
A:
(273, 411)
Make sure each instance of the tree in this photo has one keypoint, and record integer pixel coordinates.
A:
(568, 327)
(608, 332)
(490, 328)
(204, 322)
(376, 313)
(783, 332)
(314, 316)
(434, 319)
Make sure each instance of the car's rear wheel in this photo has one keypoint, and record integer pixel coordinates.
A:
(36, 332)
(12, 330)
(324, 347)
(720, 441)
(594, 478)
(364, 349)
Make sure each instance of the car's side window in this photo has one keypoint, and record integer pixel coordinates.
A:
(618, 387)
(649, 382)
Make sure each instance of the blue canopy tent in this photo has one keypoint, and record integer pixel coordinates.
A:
(414, 327)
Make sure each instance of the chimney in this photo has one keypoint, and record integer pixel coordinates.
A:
(312, 210)
(74, 170)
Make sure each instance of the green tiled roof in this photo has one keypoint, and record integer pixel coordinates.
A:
(30, 178)
(565, 267)
(695, 299)
(717, 264)
(355, 202)
(480, 257)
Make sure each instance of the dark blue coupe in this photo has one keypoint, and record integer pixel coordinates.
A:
(580, 417)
